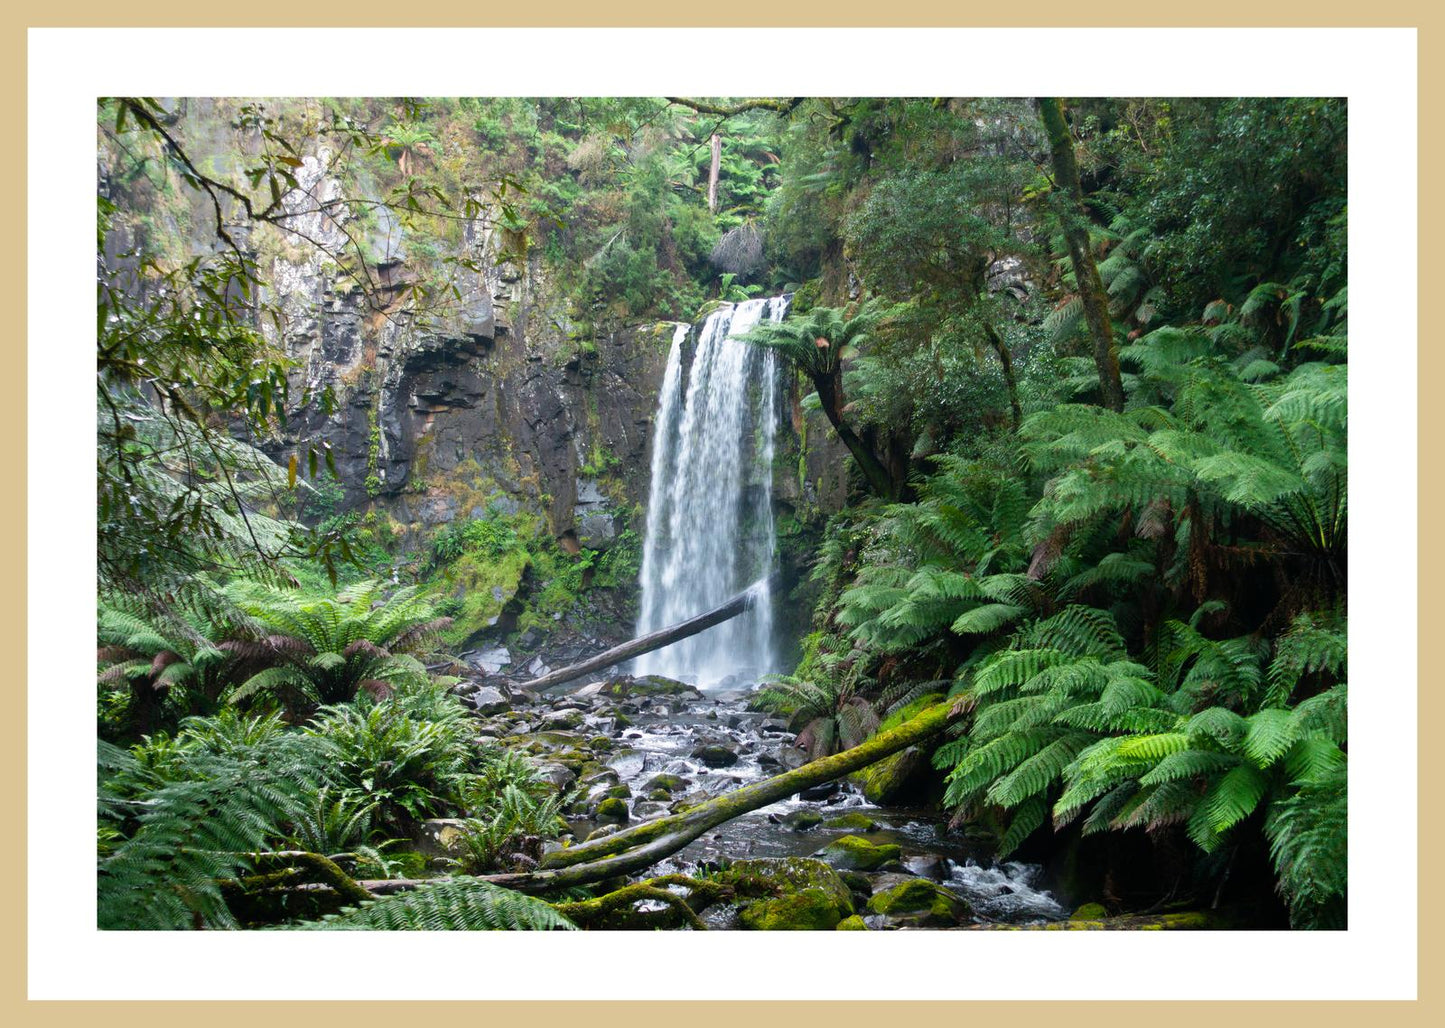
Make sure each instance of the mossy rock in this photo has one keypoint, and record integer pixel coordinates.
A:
(852, 822)
(665, 783)
(856, 854)
(920, 902)
(1089, 912)
(852, 923)
(808, 894)
(808, 910)
(622, 791)
(612, 809)
(802, 820)
(648, 685)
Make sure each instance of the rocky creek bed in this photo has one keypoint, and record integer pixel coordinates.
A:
(625, 750)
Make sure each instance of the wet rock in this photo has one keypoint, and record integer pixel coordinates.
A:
(487, 700)
(715, 755)
(612, 809)
(852, 822)
(665, 783)
(856, 854)
(920, 903)
(562, 719)
(815, 793)
(802, 820)
(602, 832)
(644, 810)
(852, 923)
(930, 866)
(556, 775)
(807, 894)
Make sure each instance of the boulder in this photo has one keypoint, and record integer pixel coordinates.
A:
(852, 822)
(807, 895)
(715, 755)
(920, 903)
(852, 923)
(856, 854)
(802, 820)
(486, 700)
(613, 809)
(556, 775)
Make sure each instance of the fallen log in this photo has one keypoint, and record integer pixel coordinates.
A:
(740, 603)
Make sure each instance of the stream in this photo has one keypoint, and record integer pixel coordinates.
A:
(660, 753)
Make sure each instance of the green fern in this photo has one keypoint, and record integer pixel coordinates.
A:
(456, 905)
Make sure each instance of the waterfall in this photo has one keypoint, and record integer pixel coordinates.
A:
(710, 512)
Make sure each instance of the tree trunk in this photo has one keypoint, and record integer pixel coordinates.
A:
(712, 172)
(1006, 360)
(652, 641)
(1076, 236)
(879, 481)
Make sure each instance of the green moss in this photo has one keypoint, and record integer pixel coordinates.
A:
(922, 902)
(855, 854)
(853, 923)
(665, 783)
(808, 910)
(1089, 912)
(852, 822)
(613, 809)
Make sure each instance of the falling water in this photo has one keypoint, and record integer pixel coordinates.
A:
(710, 514)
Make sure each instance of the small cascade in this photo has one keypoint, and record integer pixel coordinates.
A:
(710, 512)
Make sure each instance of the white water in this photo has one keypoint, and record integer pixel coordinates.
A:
(710, 515)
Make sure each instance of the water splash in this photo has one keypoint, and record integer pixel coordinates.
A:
(710, 514)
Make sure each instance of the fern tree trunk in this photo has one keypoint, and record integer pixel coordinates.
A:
(1076, 236)
(879, 480)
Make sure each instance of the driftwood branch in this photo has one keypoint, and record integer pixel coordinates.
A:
(740, 603)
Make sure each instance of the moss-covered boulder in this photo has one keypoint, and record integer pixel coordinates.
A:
(612, 809)
(1089, 912)
(807, 911)
(852, 822)
(788, 894)
(852, 923)
(802, 820)
(858, 854)
(921, 903)
(664, 783)
(648, 685)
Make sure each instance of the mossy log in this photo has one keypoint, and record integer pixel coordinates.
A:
(313, 865)
(614, 909)
(739, 604)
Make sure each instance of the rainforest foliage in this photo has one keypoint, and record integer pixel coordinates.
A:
(1087, 360)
